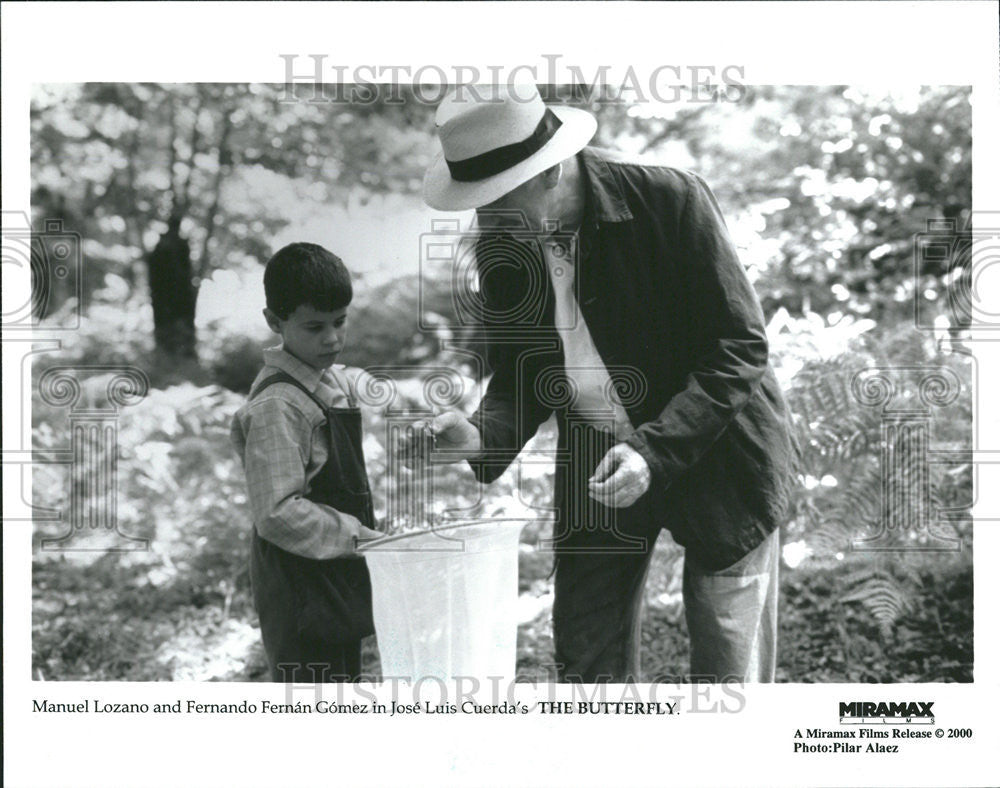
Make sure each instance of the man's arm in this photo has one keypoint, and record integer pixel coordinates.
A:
(734, 344)
(277, 440)
(507, 417)
(510, 412)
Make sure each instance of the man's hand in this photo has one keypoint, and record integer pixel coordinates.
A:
(621, 478)
(448, 432)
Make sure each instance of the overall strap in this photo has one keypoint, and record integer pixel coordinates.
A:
(347, 391)
(284, 377)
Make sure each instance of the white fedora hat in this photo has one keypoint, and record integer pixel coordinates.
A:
(494, 138)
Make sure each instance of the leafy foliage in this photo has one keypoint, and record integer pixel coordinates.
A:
(868, 480)
(839, 180)
(115, 160)
(823, 639)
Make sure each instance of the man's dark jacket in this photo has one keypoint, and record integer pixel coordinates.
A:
(666, 301)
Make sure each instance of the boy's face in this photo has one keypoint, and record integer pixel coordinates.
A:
(313, 337)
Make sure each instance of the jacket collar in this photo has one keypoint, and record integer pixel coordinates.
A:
(605, 200)
(279, 358)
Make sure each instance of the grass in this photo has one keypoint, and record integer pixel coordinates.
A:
(109, 622)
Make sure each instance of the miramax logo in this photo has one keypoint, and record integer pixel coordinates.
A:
(870, 712)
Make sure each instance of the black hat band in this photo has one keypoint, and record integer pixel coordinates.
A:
(495, 161)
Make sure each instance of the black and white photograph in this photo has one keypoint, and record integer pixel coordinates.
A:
(616, 384)
(755, 485)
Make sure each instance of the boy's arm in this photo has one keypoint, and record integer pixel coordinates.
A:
(278, 439)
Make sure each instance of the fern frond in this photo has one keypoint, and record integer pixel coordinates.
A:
(848, 512)
(880, 593)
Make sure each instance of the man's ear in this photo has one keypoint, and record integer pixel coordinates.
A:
(552, 176)
(273, 321)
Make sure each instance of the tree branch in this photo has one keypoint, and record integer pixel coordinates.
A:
(172, 164)
(195, 139)
(132, 227)
(131, 219)
(227, 125)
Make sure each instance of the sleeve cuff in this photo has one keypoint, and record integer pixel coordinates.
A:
(489, 465)
(656, 466)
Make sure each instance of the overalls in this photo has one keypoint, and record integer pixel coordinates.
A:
(314, 613)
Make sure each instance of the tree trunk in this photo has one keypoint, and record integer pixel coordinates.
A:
(173, 293)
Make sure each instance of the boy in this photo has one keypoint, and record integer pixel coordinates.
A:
(299, 436)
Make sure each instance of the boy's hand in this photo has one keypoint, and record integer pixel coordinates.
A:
(366, 535)
(621, 478)
(447, 432)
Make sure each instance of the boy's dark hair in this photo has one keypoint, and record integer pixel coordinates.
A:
(302, 273)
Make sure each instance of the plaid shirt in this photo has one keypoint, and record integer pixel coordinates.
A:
(280, 435)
